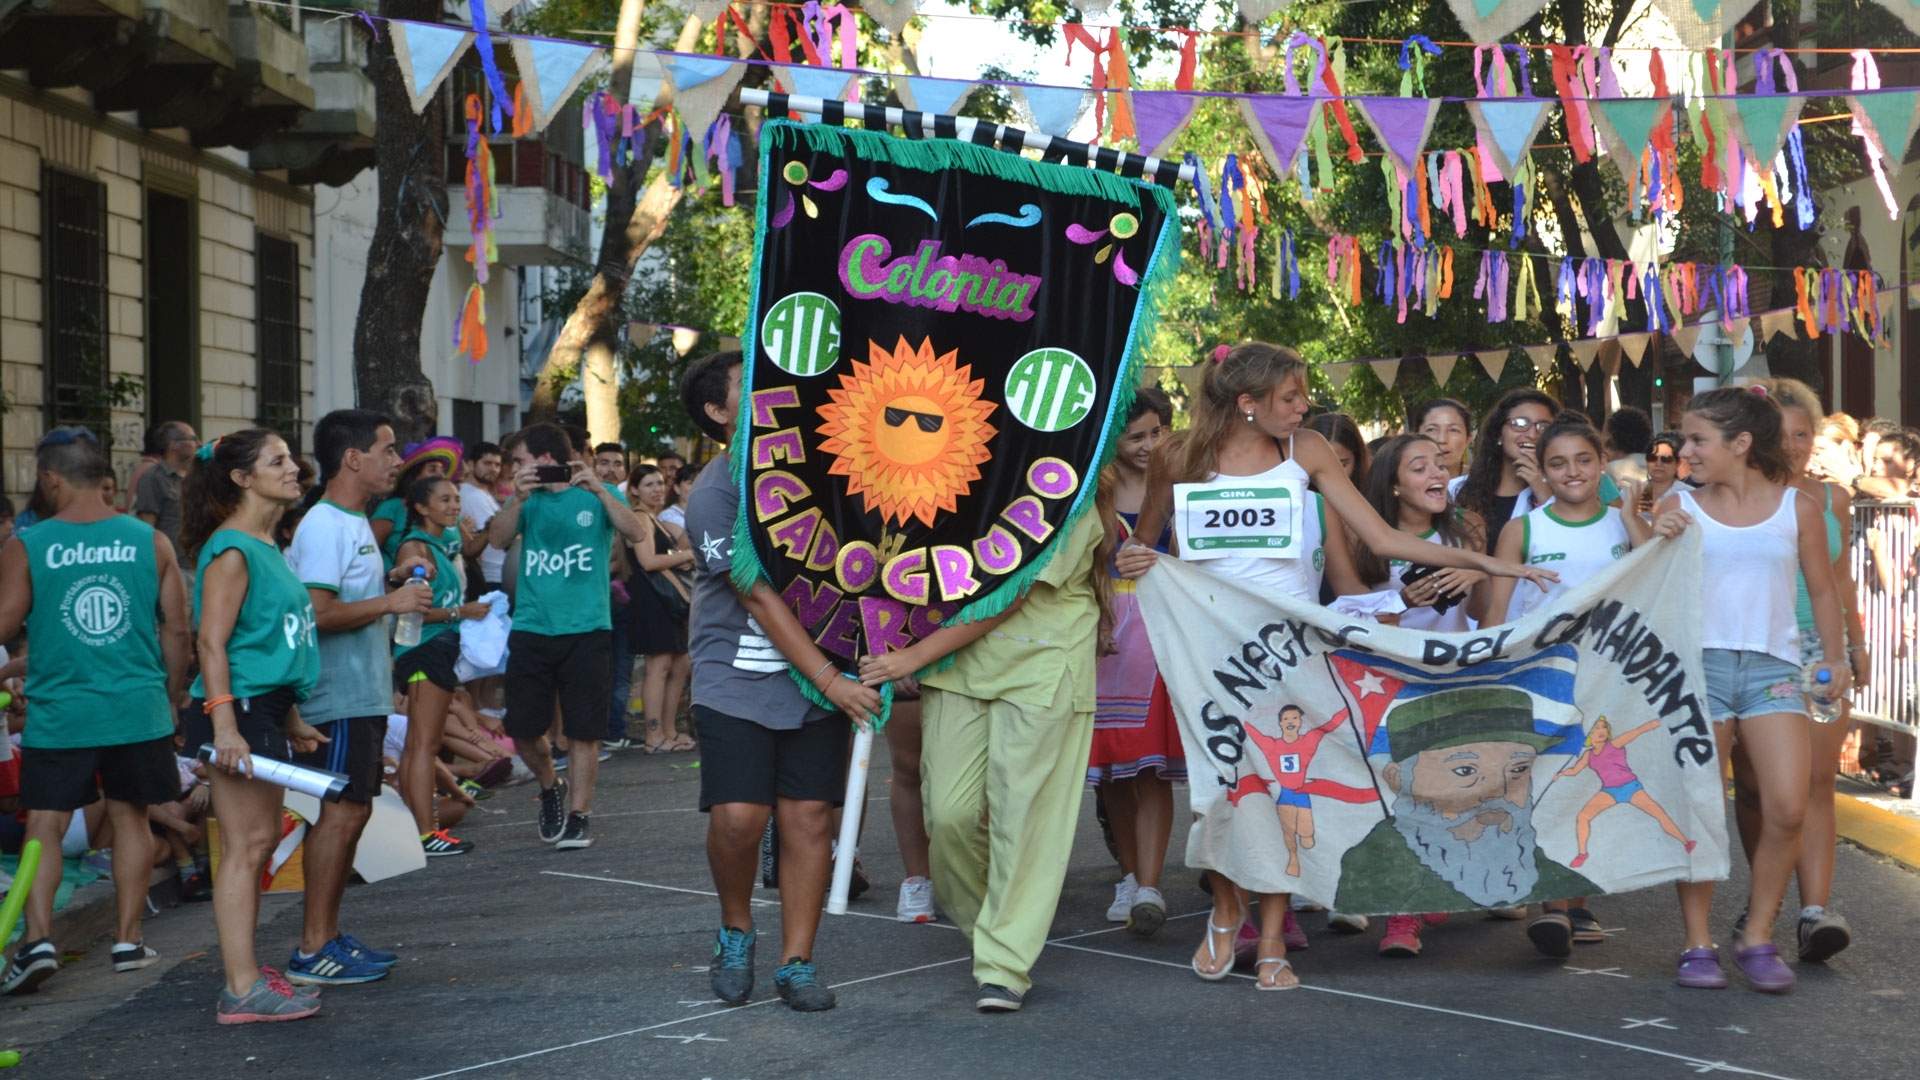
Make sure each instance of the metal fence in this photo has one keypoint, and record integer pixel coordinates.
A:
(1883, 553)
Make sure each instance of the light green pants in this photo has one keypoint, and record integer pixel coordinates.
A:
(1002, 783)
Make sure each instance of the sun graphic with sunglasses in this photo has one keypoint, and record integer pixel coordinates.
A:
(908, 431)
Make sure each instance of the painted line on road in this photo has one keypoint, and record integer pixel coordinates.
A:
(1698, 1063)
(708, 892)
(603, 817)
(731, 1010)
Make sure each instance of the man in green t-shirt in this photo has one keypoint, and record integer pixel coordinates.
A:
(105, 606)
(562, 638)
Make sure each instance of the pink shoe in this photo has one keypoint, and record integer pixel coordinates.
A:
(1246, 943)
(1295, 937)
(1403, 936)
(1434, 918)
(1691, 844)
(1580, 860)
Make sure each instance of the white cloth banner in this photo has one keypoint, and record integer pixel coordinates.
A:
(1389, 771)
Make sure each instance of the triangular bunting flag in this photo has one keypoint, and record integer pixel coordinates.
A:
(1889, 118)
(707, 10)
(1401, 124)
(700, 104)
(1159, 116)
(827, 84)
(1543, 356)
(1684, 335)
(1778, 322)
(1338, 374)
(551, 71)
(1627, 126)
(1386, 370)
(1509, 126)
(1493, 362)
(1584, 351)
(1488, 21)
(1635, 346)
(1149, 375)
(1699, 24)
(1609, 356)
(648, 77)
(639, 333)
(922, 94)
(688, 72)
(1442, 366)
(1279, 123)
(1189, 377)
(1764, 119)
(1055, 109)
(893, 15)
(729, 343)
(426, 53)
(1256, 11)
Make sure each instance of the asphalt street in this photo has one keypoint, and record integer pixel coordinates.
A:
(523, 962)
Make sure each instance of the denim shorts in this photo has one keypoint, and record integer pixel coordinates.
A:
(1744, 684)
(1810, 647)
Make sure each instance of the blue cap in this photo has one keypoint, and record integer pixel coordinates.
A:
(1823, 676)
(419, 571)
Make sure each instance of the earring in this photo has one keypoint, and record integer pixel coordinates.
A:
(1249, 418)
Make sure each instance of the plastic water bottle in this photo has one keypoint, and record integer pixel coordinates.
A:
(1826, 707)
(406, 631)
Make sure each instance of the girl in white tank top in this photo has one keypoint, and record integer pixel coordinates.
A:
(1576, 535)
(1754, 533)
(1247, 420)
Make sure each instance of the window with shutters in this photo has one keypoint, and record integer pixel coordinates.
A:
(276, 293)
(75, 260)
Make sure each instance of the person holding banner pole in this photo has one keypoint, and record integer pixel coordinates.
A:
(767, 751)
(1755, 531)
(1246, 427)
(1006, 730)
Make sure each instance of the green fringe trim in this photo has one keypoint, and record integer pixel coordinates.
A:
(941, 155)
(807, 690)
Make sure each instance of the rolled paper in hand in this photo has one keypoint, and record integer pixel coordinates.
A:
(850, 811)
(319, 783)
(17, 895)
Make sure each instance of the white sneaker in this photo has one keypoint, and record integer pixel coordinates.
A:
(1352, 924)
(916, 901)
(1123, 896)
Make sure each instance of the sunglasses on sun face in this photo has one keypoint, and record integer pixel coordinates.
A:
(1521, 423)
(1661, 459)
(929, 422)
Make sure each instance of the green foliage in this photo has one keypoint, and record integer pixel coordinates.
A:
(697, 276)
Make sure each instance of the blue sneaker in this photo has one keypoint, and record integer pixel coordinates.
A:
(731, 975)
(365, 952)
(800, 987)
(333, 965)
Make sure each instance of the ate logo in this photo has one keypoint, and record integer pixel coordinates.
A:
(584, 517)
(560, 563)
(95, 610)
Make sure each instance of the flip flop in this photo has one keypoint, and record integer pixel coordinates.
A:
(1285, 965)
(1213, 954)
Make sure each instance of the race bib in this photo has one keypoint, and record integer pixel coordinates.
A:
(1223, 518)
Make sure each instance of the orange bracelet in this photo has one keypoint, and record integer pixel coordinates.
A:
(213, 703)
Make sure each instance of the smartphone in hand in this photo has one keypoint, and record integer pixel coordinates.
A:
(553, 474)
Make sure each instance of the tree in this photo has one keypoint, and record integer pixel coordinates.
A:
(409, 154)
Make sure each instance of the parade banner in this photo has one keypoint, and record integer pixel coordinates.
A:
(1388, 771)
(941, 349)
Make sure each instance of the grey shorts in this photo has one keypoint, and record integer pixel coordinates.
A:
(1746, 684)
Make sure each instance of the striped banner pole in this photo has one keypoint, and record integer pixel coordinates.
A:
(921, 125)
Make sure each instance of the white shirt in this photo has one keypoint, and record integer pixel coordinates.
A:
(1748, 584)
(479, 504)
(333, 549)
(675, 516)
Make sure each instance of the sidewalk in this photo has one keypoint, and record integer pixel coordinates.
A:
(1879, 823)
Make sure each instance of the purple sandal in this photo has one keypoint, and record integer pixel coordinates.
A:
(1700, 970)
(1764, 969)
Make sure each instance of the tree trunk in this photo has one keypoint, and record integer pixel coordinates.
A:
(410, 155)
(591, 336)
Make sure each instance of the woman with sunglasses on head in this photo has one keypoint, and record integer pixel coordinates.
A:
(259, 659)
(1504, 481)
(1663, 470)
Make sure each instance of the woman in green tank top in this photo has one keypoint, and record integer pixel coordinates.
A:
(1821, 931)
(258, 656)
(426, 669)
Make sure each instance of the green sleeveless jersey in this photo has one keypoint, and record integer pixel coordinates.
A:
(94, 672)
(273, 642)
(446, 584)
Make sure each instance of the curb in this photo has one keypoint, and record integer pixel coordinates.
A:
(1879, 831)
